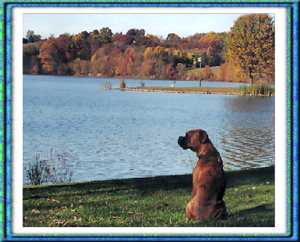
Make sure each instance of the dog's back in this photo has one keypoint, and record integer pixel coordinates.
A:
(208, 178)
(207, 192)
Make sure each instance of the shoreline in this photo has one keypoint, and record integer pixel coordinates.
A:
(149, 202)
(193, 90)
(184, 178)
(128, 78)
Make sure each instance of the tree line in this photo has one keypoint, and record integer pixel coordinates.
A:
(245, 53)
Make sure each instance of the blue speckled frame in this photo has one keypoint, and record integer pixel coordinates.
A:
(6, 113)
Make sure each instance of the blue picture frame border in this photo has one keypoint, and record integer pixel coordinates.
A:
(293, 112)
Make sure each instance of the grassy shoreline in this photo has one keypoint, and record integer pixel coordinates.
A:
(154, 201)
(196, 90)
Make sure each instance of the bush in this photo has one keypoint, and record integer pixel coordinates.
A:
(56, 169)
(258, 90)
(38, 171)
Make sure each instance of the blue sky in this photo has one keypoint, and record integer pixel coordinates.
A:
(158, 24)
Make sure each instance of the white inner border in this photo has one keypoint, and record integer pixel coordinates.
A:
(280, 130)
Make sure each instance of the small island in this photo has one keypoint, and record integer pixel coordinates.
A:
(259, 90)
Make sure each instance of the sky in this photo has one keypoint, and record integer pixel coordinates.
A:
(157, 24)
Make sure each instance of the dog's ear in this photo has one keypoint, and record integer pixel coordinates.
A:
(203, 137)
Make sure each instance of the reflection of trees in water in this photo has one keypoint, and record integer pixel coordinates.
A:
(249, 104)
(245, 148)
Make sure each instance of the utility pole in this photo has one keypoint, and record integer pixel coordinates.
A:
(199, 60)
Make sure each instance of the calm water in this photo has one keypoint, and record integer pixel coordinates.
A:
(113, 134)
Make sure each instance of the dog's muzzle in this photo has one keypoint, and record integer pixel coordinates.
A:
(182, 142)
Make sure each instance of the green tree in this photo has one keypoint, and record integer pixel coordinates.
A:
(172, 40)
(32, 37)
(81, 45)
(136, 36)
(105, 35)
(251, 46)
(31, 64)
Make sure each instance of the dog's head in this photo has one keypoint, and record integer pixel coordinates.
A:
(193, 140)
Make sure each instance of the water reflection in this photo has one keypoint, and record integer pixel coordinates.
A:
(247, 147)
(248, 104)
(250, 142)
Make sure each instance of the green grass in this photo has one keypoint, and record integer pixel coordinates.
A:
(157, 201)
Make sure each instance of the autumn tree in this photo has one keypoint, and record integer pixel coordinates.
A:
(147, 67)
(121, 41)
(151, 40)
(80, 67)
(102, 62)
(102, 53)
(129, 58)
(49, 56)
(119, 62)
(251, 46)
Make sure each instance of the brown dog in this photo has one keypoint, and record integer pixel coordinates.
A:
(208, 178)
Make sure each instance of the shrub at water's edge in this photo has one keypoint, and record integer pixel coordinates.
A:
(257, 90)
(153, 201)
(57, 168)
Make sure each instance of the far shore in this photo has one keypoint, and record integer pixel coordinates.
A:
(136, 78)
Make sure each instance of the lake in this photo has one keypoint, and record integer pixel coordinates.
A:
(115, 134)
